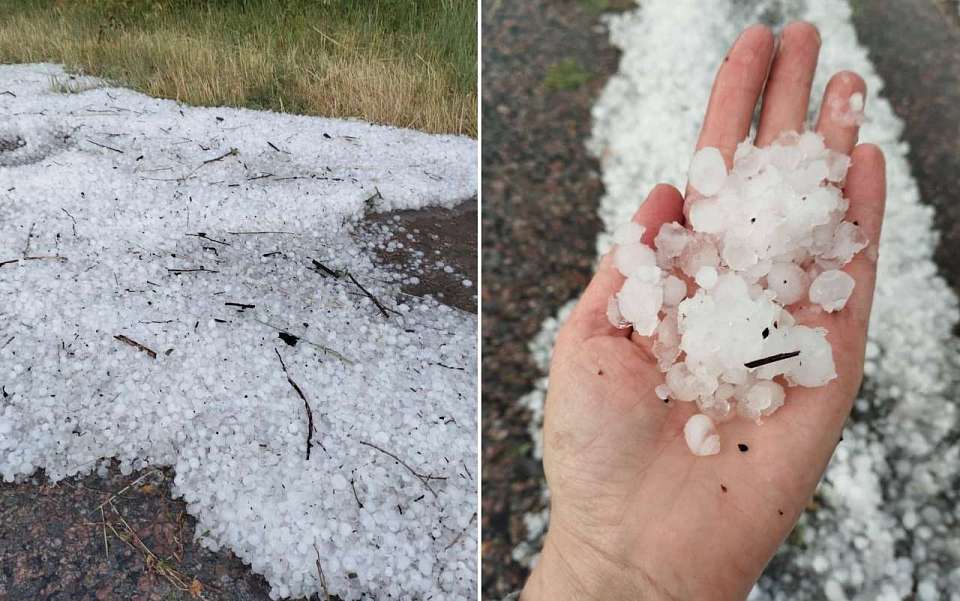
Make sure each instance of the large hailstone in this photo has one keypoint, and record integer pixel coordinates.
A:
(831, 290)
(707, 171)
(701, 435)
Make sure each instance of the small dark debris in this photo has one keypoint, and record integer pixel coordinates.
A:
(723, 487)
(743, 448)
(780, 511)
(765, 333)
(290, 339)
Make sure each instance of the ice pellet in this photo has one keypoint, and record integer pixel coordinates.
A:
(831, 290)
(701, 435)
(707, 171)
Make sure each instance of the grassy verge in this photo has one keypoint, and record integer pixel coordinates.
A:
(410, 63)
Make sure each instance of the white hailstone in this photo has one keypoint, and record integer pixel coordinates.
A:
(848, 240)
(674, 291)
(707, 171)
(837, 166)
(699, 252)
(666, 347)
(701, 435)
(814, 366)
(629, 258)
(628, 233)
(762, 399)
(640, 301)
(707, 215)
(662, 391)
(681, 383)
(671, 240)
(832, 289)
(614, 315)
(788, 281)
(856, 102)
(706, 277)
(810, 143)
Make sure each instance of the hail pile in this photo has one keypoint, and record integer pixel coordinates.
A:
(768, 235)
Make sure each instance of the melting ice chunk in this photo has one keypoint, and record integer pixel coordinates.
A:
(701, 435)
(707, 171)
(831, 290)
(788, 281)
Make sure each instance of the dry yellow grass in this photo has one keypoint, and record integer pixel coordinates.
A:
(354, 68)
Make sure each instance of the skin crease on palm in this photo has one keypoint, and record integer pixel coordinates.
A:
(634, 514)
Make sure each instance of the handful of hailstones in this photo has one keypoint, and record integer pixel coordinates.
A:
(766, 235)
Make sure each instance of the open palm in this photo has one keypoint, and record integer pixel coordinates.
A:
(634, 514)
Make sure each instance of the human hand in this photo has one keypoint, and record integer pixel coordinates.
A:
(635, 515)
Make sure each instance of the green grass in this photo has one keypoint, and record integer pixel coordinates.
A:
(568, 74)
(595, 7)
(410, 63)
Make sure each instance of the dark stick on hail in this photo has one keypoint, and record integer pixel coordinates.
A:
(306, 404)
(770, 359)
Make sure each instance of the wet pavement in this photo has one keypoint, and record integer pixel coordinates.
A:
(541, 193)
(56, 544)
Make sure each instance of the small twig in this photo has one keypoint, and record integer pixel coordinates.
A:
(73, 219)
(306, 404)
(44, 258)
(770, 359)
(206, 237)
(423, 478)
(135, 344)
(462, 532)
(192, 270)
(324, 269)
(286, 336)
(260, 233)
(26, 247)
(8, 92)
(123, 490)
(355, 496)
(229, 153)
(104, 146)
(370, 296)
(106, 545)
(242, 306)
(323, 580)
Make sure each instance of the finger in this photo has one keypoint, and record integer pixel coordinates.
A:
(787, 93)
(837, 123)
(589, 318)
(735, 91)
(866, 189)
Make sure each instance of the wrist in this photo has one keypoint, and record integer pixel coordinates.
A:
(568, 570)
